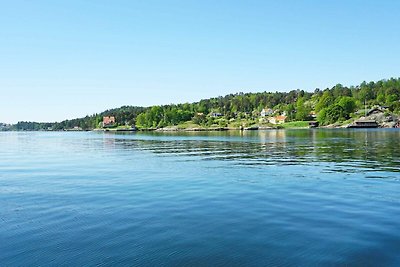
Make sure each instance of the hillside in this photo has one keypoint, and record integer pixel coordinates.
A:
(331, 105)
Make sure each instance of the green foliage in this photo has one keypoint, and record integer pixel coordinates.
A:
(290, 112)
(324, 101)
(332, 105)
(331, 114)
(302, 111)
(348, 104)
(199, 118)
(125, 115)
(294, 124)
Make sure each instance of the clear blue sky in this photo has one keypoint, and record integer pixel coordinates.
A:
(66, 59)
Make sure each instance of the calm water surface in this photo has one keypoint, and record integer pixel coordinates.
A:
(267, 198)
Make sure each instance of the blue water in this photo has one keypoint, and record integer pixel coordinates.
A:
(267, 198)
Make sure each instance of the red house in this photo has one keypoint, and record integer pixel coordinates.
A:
(108, 121)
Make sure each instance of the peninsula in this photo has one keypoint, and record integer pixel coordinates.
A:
(339, 106)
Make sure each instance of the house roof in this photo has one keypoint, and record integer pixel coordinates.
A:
(365, 121)
(376, 110)
(108, 119)
(281, 117)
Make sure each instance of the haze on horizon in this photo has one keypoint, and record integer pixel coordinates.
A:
(67, 59)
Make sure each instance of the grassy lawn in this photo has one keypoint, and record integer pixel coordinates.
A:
(294, 124)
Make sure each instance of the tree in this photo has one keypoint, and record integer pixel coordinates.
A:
(325, 101)
(366, 92)
(331, 114)
(291, 112)
(348, 104)
(302, 111)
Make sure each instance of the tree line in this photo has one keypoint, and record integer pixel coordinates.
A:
(331, 105)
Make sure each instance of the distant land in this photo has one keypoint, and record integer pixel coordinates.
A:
(332, 107)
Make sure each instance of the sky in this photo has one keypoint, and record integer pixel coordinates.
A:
(63, 59)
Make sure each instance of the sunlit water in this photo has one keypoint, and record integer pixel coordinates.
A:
(267, 198)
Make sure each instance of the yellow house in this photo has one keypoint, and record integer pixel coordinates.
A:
(278, 119)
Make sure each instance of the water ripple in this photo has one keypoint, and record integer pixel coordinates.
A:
(267, 198)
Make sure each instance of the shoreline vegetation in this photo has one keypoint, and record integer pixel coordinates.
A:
(190, 127)
(373, 103)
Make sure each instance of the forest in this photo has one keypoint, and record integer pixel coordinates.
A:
(331, 105)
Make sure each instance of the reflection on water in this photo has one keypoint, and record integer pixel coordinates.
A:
(264, 198)
(350, 150)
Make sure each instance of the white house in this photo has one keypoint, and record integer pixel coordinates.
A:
(266, 112)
